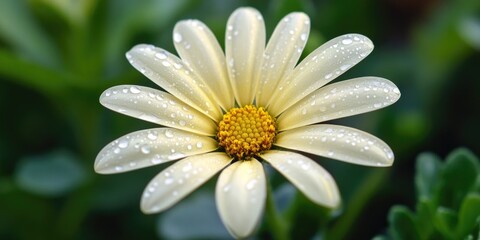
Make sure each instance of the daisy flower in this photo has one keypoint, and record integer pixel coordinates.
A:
(233, 112)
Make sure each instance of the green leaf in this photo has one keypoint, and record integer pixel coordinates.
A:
(53, 174)
(428, 167)
(458, 177)
(402, 223)
(445, 221)
(425, 213)
(469, 215)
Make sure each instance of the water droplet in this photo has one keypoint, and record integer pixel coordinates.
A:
(177, 37)
(328, 76)
(168, 133)
(226, 188)
(396, 90)
(134, 90)
(345, 67)
(161, 55)
(347, 41)
(251, 184)
(116, 150)
(108, 93)
(174, 156)
(152, 135)
(303, 36)
(330, 153)
(377, 105)
(304, 111)
(166, 64)
(182, 123)
(187, 167)
(123, 143)
(168, 181)
(199, 144)
(145, 149)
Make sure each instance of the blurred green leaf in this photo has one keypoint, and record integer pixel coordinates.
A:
(194, 218)
(427, 170)
(53, 174)
(21, 31)
(425, 212)
(469, 215)
(458, 177)
(445, 221)
(469, 29)
(402, 220)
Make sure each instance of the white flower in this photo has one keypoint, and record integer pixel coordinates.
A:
(233, 112)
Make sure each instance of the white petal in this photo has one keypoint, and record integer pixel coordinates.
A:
(170, 73)
(200, 49)
(338, 142)
(181, 178)
(158, 107)
(150, 147)
(339, 100)
(309, 177)
(282, 53)
(240, 195)
(320, 67)
(245, 43)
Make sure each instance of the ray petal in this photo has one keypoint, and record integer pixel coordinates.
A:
(171, 73)
(157, 107)
(245, 43)
(342, 99)
(150, 147)
(320, 67)
(181, 178)
(338, 142)
(309, 177)
(198, 47)
(240, 196)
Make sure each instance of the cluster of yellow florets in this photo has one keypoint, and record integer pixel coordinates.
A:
(246, 131)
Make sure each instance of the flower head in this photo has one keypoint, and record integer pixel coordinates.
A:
(231, 112)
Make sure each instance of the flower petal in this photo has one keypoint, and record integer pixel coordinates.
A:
(150, 147)
(181, 178)
(282, 53)
(339, 100)
(245, 43)
(170, 73)
(198, 47)
(320, 67)
(309, 177)
(338, 142)
(240, 195)
(158, 107)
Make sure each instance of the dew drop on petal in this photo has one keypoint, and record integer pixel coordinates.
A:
(168, 134)
(134, 90)
(199, 144)
(152, 135)
(177, 37)
(251, 184)
(123, 143)
(145, 149)
(347, 41)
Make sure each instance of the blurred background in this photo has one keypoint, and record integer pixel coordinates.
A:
(57, 56)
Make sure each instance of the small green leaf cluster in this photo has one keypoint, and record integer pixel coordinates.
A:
(448, 200)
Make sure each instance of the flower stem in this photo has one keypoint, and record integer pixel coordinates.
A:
(278, 226)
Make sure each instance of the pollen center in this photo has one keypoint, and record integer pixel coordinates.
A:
(246, 131)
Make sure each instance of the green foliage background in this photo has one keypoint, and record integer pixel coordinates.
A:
(56, 57)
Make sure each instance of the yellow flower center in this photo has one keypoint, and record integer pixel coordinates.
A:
(246, 131)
